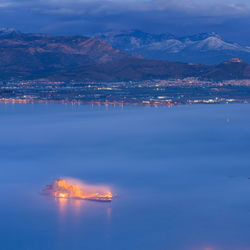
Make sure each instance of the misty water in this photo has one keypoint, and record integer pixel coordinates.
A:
(181, 174)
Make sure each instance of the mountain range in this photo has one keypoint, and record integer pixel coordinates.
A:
(41, 56)
(204, 48)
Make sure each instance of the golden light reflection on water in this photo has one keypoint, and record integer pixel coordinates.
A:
(109, 210)
(62, 202)
(206, 248)
(73, 206)
(77, 205)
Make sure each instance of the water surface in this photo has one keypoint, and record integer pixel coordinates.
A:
(181, 174)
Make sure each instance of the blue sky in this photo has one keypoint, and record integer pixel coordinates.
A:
(230, 18)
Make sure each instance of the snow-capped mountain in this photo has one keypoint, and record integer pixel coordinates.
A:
(134, 39)
(215, 43)
(207, 48)
(8, 32)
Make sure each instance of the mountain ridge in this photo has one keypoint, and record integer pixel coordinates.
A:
(204, 48)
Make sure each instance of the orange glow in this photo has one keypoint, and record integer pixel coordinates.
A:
(62, 205)
(61, 195)
(72, 189)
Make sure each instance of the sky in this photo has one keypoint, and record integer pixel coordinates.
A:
(229, 18)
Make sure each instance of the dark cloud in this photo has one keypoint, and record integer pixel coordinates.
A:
(89, 16)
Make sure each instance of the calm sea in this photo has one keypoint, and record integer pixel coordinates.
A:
(181, 174)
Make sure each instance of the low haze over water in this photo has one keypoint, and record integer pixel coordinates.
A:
(181, 174)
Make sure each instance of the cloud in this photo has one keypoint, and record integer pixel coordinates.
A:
(90, 16)
(117, 6)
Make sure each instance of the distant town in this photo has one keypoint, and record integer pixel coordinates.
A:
(152, 92)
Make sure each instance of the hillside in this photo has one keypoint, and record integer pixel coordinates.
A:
(28, 55)
(141, 69)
